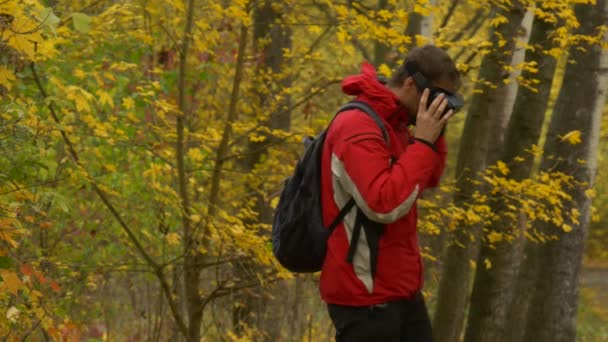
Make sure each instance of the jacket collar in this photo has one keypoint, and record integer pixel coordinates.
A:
(367, 88)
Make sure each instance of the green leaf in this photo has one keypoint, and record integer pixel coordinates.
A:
(49, 19)
(5, 262)
(82, 22)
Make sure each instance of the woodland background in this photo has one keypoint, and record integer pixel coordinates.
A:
(143, 144)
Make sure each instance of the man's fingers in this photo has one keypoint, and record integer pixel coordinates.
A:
(423, 101)
(441, 109)
(436, 102)
(447, 116)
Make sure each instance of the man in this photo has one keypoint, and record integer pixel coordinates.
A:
(372, 287)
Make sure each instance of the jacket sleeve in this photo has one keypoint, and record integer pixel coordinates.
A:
(360, 165)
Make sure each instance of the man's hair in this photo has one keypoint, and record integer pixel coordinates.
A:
(434, 63)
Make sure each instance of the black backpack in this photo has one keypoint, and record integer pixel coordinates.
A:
(299, 237)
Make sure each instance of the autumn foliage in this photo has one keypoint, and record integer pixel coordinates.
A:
(143, 146)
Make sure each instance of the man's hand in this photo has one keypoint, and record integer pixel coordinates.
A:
(429, 122)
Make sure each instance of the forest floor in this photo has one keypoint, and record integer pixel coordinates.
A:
(596, 278)
(593, 311)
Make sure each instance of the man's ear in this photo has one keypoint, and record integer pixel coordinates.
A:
(409, 83)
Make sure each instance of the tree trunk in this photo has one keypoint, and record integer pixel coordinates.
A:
(266, 26)
(477, 136)
(492, 289)
(426, 24)
(413, 27)
(191, 255)
(506, 99)
(554, 304)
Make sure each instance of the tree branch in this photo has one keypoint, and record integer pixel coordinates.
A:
(104, 198)
(450, 13)
(224, 143)
(473, 25)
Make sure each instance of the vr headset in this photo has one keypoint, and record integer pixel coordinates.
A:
(455, 101)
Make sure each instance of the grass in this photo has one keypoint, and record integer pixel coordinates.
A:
(592, 321)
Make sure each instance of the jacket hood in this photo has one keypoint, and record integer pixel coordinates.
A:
(366, 87)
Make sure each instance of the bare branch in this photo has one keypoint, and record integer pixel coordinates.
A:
(106, 201)
(232, 115)
(450, 13)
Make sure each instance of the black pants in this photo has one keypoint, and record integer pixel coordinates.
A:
(399, 321)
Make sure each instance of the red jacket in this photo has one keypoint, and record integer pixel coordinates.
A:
(357, 163)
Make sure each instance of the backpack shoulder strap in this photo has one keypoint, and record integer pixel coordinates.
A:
(364, 107)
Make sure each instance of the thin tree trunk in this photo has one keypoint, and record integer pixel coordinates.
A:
(267, 26)
(506, 98)
(426, 24)
(493, 288)
(223, 148)
(454, 285)
(553, 309)
(413, 26)
(191, 254)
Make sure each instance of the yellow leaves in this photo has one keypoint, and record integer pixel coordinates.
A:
(173, 239)
(110, 167)
(575, 214)
(519, 159)
(104, 98)
(494, 237)
(573, 137)
(155, 170)
(195, 155)
(555, 52)
(384, 15)
(195, 218)
(9, 7)
(422, 8)
(164, 106)
(78, 73)
(314, 29)
(122, 66)
(591, 193)
(274, 202)
(499, 20)
(7, 77)
(535, 150)
(239, 12)
(8, 231)
(472, 217)
(25, 44)
(502, 167)
(257, 137)
(10, 282)
(427, 256)
(595, 215)
(128, 103)
(343, 36)
(341, 11)
(80, 97)
(487, 263)
(384, 70)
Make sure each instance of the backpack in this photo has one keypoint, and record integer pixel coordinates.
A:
(299, 238)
